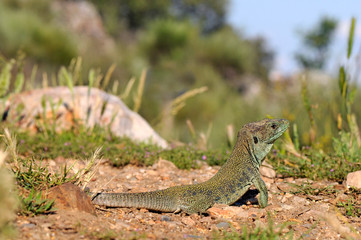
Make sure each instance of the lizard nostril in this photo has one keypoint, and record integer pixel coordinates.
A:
(255, 139)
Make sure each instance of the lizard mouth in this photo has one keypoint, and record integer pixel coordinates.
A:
(281, 129)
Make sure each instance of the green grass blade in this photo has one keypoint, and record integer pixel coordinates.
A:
(342, 81)
(350, 37)
(31, 82)
(138, 98)
(5, 76)
(19, 82)
(68, 79)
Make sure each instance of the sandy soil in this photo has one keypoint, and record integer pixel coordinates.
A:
(310, 216)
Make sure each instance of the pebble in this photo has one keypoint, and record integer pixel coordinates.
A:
(223, 225)
(191, 236)
(266, 170)
(354, 179)
(70, 197)
(287, 207)
(188, 221)
(300, 201)
(237, 211)
(216, 211)
(28, 225)
(172, 225)
(120, 225)
(286, 197)
(164, 165)
(165, 218)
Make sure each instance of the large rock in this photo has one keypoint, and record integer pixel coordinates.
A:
(82, 19)
(88, 106)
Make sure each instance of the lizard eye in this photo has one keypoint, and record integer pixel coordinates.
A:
(255, 140)
(273, 126)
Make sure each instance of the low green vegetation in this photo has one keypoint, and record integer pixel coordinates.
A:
(32, 177)
(34, 204)
(308, 189)
(317, 160)
(316, 164)
(350, 207)
(80, 144)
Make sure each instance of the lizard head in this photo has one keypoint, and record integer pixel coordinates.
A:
(260, 136)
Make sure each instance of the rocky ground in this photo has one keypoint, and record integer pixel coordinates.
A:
(308, 214)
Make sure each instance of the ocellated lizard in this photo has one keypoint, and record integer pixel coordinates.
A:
(236, 176)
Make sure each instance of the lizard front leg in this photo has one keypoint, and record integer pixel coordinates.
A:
(261, 186)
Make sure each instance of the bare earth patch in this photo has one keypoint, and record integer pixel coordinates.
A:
(312, 215)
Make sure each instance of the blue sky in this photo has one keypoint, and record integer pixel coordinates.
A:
(280, 20)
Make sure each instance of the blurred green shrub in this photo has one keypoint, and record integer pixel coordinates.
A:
(24, 29)
(167, 38)
(226, 51)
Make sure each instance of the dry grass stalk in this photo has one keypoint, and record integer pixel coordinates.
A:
(178, 103)
(108, 75)
(138, 98)
(10, 141)
(86, 174)
(128, 88)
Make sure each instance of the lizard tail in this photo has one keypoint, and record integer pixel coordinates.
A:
(156, 200)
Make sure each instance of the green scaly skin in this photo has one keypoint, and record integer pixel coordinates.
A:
(237, 175)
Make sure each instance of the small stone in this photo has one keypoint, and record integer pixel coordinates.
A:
(152, 173)
(300, 201)
(237, 211)
(171, 225)
(205, 220)
(69, 197)
(285, 187)
(223, 225)
(188, 221)
(139, 177)
(165, 177)
(165, 218)
(150, 222)
(287, 207)
(267, 170)
(165, 165)
(120, 225)
(191, 236)
(354, 179)
(290, 180)
(51, 163)
(286, 197)
(219, 211)
(28, 225)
